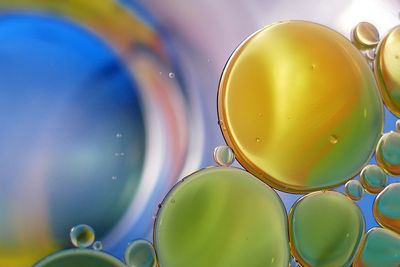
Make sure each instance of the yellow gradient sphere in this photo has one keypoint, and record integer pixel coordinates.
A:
(299, 106)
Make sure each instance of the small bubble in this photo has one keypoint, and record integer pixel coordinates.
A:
(118, 135)
(370, 54)
(116, 154)
(354, 190)
(114, 177)
(122, 154)
(365, 35)
(97, 245)
(160, 73)
(258, 140)
(140, 253)
(313, 66)
(260, 115)
(82, 236)
(333, 139)
(171, 75)
(373, 178)
(223, 155)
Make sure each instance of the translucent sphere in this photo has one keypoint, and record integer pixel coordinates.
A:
(365, 35)
(387, 207)
(140, 253)
(97, 245)
(374, 179)
(354, 190)
(82, 236)
(388, 153)
(223, 155)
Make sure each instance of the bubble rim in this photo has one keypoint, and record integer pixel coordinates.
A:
(240, 156)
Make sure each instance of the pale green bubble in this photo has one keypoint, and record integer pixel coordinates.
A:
(82, 236)
(379, 248)
(325, 229)
(373, 178)
(140, 253)
(223, 155)
(354, 190)
(80, 258)
(221, 216)
(387, 207)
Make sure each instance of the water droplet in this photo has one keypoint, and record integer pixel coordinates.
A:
(354, 190)
(373, 179)
(318, 225)
(223, 155)
(82, 236)
(118, 135)
(365, 35)
(140, 253)
(171, 75)
(333, 139)
(398, 125)
(379, 248)
(97, 245)
(388, 152)
(387, 207)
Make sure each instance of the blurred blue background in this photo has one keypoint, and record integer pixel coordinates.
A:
(105, 104)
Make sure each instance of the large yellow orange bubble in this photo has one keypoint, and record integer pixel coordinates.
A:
(299, 106)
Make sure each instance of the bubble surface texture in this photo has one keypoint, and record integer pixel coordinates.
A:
(221, 216)
(297, 74)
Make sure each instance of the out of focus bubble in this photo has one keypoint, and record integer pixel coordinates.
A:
(373, 179)
(365, 35)
(82, 236)
(97, 245)
(294, 75)
(80, 257)
(354, 190)
(380, 247)
(140, 253)
(387, 208)
(387, 66)
(223, 155)
(221, 216)
(388, 153)
(325, 229)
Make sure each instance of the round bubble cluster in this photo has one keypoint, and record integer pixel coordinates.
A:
(279, 81)
(82, 236)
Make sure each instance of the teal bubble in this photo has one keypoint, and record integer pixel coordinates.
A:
(82, 236)
(97, 245)
(140, 253)
(374, 179)
(388, 153)
(79, 258)
(387, 207)
(224, 156)
(354, 190)
(379, 248)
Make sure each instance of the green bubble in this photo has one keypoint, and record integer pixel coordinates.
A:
(223, 155)
(82, 236)
(354, 190)
(379, 248)
(387, 207)
(221, 216)
(325, 229)
(79, 258)
(140, 253)
(373, 179)
(388, 153)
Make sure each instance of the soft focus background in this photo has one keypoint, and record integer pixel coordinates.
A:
(106, 104)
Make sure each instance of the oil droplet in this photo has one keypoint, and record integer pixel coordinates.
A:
(79, 257)
(354, 190)
(97, 245)
(270, 72)
(380, 247)
(398, 125)
(387, 66)
(373, 179)
(318, 226)
(82, 236)
(223, 155)
(333, 139)
(365, 35)
(219, 206)
(140, 253)
(388, 153)
(171, 75)
(118, 135)
(370, 54)
(387, 207)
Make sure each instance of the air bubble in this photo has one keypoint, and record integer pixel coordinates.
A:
(223, 155)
